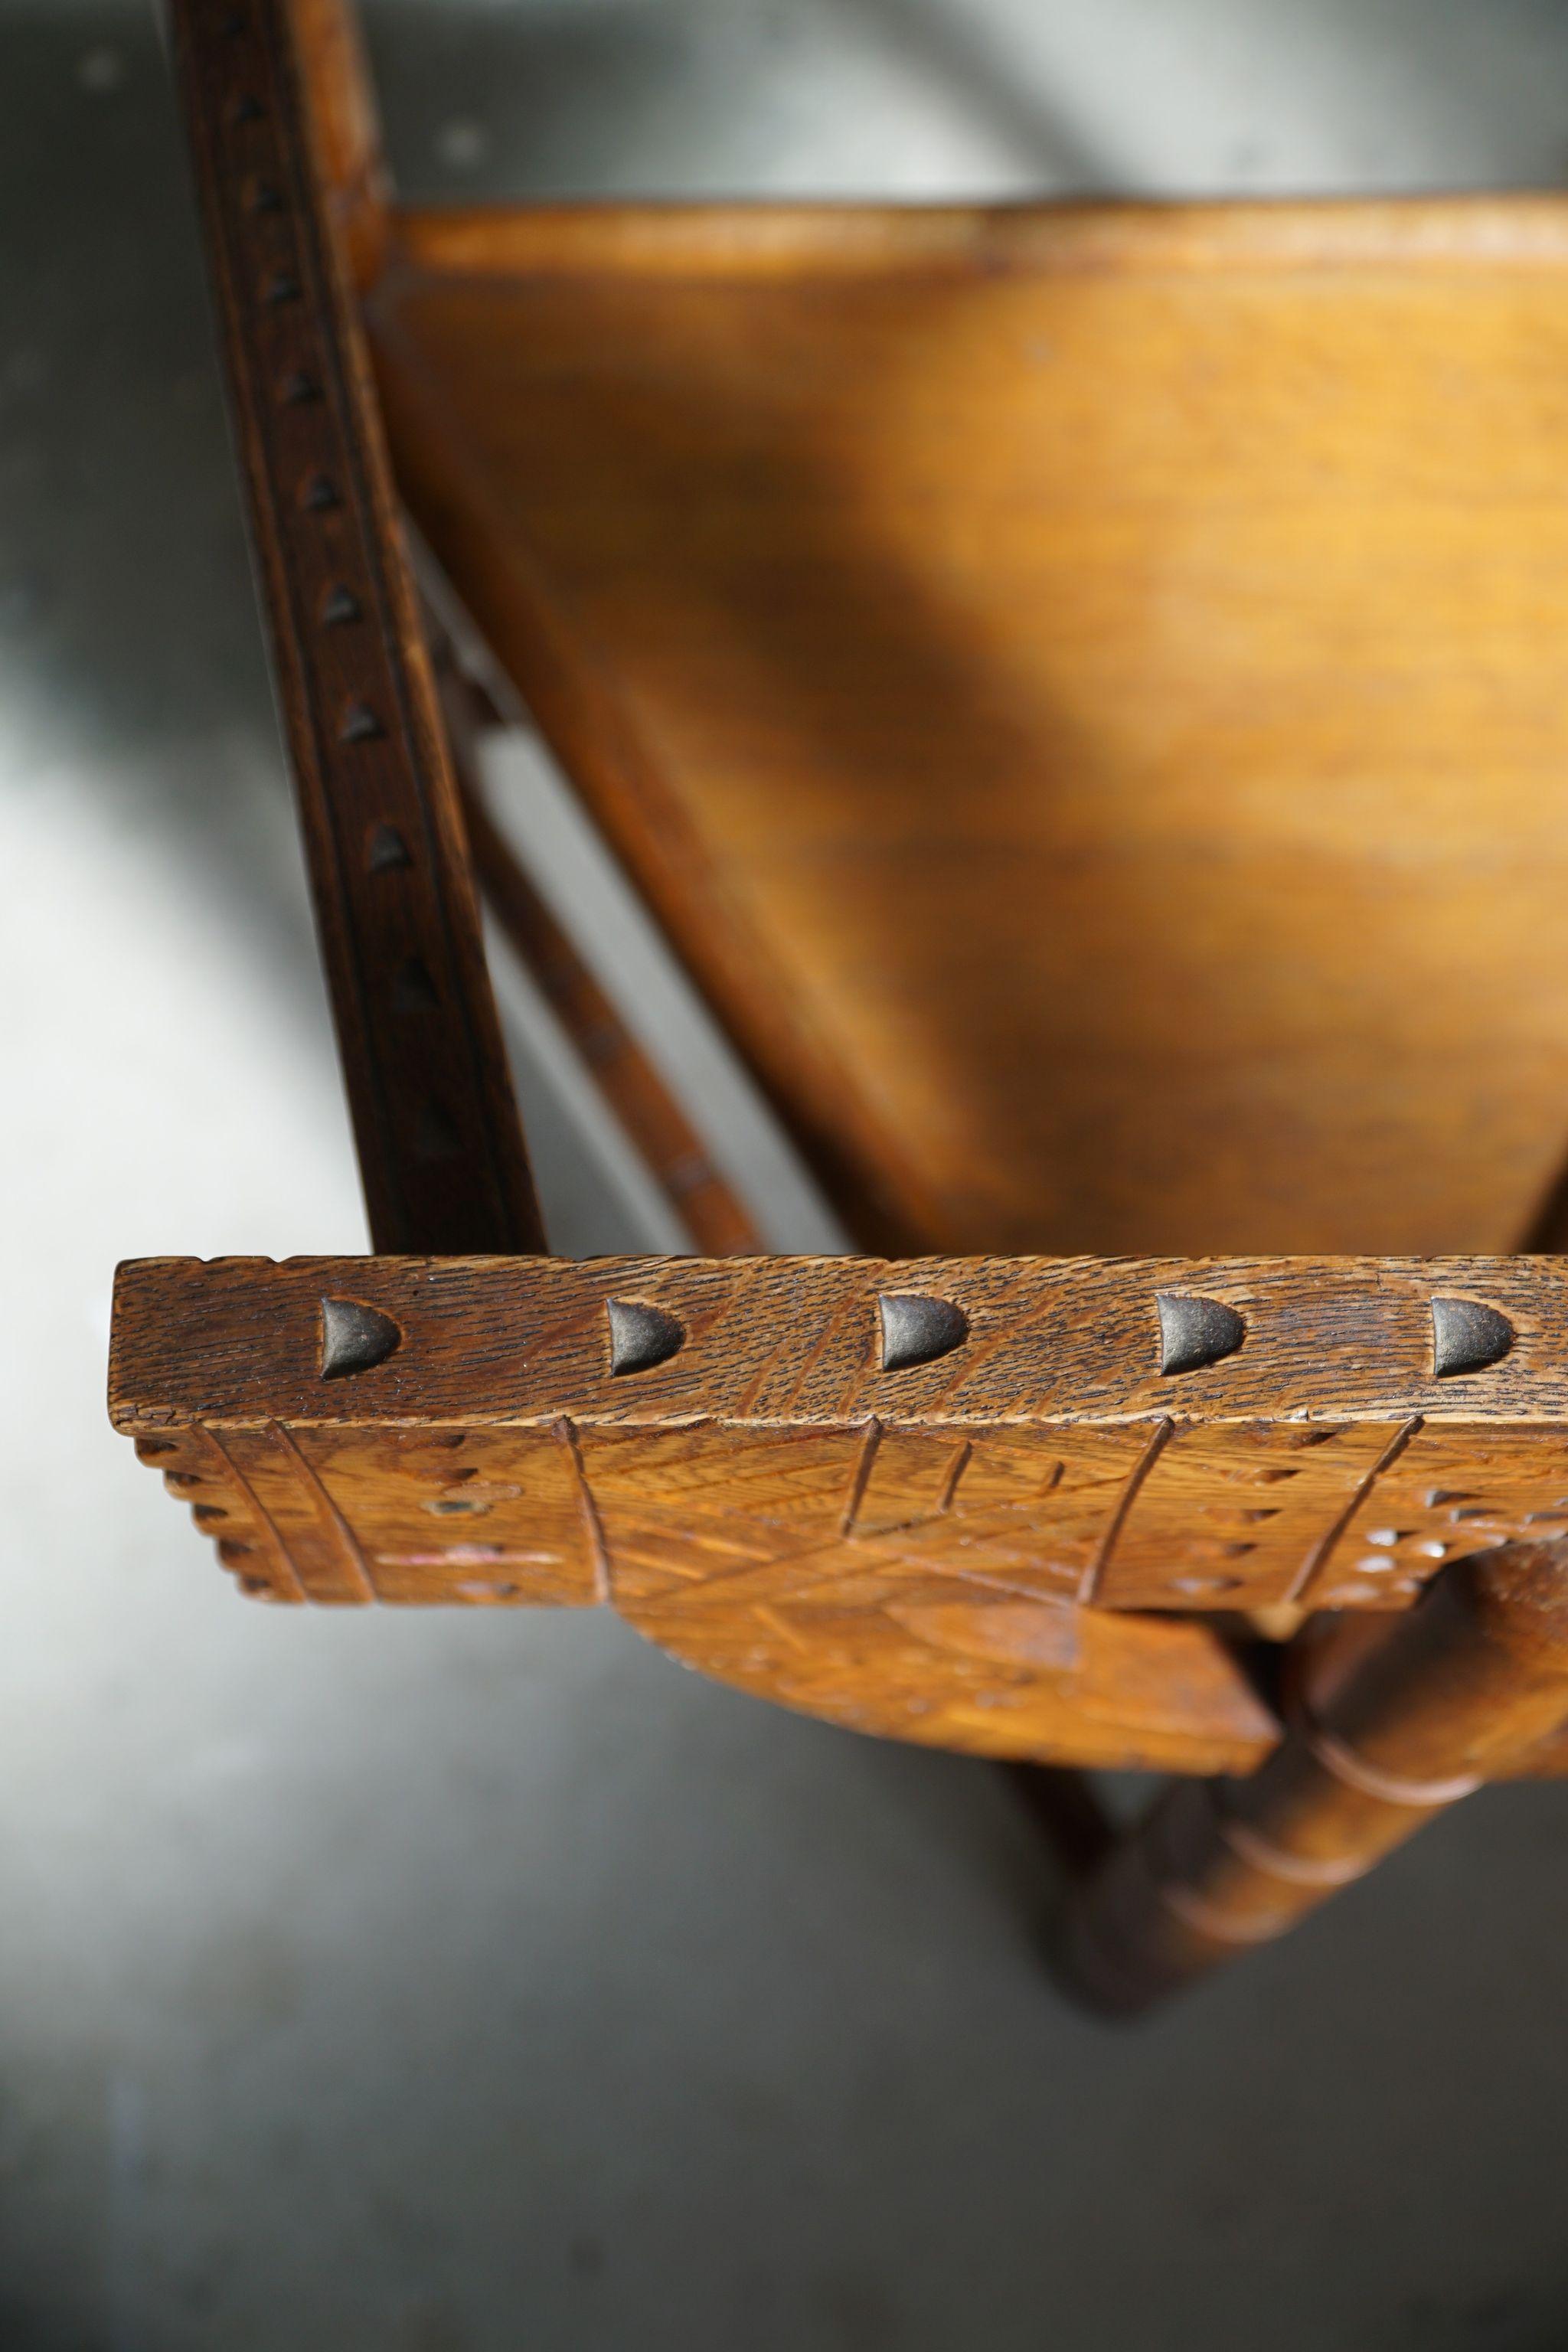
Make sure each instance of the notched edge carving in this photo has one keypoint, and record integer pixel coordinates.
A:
(1468, 1337)
(359, 724)
(917, 1330)
(355, 1337)
(385, 851)
(641, 1335)
(1195, 1331)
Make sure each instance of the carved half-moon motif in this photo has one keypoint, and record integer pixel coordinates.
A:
(641, 1335)
(1468, 1337)
(917, 1330)
(354, 1338)
(1195, 1331)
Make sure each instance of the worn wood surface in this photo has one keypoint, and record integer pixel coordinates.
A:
(436, 1125)
(766, 1500)
(1327, 1345)
(1464, 1689)
(1081, 683)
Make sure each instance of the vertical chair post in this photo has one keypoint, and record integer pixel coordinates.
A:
(440, 1148)
(1474, 1676)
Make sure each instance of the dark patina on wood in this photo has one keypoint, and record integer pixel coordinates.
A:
(436, 1125)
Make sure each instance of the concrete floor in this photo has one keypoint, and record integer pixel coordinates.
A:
(434, 1983)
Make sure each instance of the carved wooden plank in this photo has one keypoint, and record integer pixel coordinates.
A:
(904, 1549)
(435, 1123)
(1329, 1342)
(393, 1515)
(1043, 1454)
(748, 1579)
(1453, 1490)
(1253, 1502)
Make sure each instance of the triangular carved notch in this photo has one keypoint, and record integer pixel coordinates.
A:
(917, 1330)
(1468, 1337)
(385, 850)
(359, 724)
(641, 1335)
(1195, 1331)
(354, 1338)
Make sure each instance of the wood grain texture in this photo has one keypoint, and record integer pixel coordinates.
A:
(726, 1549)
(436, 1126)
(1331, 1344)
(1009, 1679)
(769, 1473)
(1080, 685)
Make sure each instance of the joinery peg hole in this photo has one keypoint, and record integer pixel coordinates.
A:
(1195, 1332)
(917, 1330)
(1468, 1336)
(354, 1338)
(641, 1335)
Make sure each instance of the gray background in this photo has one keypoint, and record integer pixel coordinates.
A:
(430, 1983)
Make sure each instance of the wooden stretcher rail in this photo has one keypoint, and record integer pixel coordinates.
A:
(632, 1085)
(436, 1125)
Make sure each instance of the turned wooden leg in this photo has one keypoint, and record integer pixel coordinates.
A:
(1386, 1732)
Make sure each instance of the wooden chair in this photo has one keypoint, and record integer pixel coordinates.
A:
(1081, 688)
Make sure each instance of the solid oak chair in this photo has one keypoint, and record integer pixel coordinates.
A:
(1081, 688)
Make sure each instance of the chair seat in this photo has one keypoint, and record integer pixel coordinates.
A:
(1086, 689)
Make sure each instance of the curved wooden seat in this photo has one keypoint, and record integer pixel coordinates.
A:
(1082, 687)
